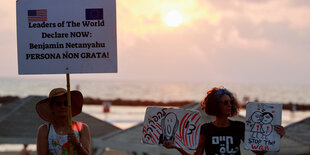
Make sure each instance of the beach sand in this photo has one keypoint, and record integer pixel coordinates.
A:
(16, 153)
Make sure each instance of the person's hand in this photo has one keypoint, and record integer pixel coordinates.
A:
(72, 139)
(169, 144)
(280, 130)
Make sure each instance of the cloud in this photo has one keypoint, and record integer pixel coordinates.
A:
(222, 41)
(244, 45)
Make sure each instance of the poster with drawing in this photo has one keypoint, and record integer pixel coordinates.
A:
(259, 128)
(170, 124)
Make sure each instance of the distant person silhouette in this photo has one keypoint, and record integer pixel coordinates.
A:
(24, 151)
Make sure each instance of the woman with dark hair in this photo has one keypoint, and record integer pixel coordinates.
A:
(222, 136)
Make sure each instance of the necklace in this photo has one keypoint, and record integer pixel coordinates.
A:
(61, 130)
(221, 124)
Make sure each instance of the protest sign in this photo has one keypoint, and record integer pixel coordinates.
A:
(261, 119)
(168, 124)
(71, 36)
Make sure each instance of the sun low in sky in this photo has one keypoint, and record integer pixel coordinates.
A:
(173, 18)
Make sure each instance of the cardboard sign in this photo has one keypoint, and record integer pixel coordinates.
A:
(71, 36)
(178, 125)
(259, 128)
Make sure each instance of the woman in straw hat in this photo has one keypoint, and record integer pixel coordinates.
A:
(56, 137)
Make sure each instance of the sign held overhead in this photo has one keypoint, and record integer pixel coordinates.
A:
(72, 36)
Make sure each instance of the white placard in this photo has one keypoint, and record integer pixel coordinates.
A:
(259, 129)
(178, 125)
(66, 36)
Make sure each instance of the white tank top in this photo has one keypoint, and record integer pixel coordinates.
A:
(58, 144)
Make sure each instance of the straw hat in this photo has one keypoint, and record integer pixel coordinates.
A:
(44, 110)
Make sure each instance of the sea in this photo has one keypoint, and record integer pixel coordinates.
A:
(127, 116)
(164, 91)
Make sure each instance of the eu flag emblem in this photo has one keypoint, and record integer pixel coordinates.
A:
(94, 14)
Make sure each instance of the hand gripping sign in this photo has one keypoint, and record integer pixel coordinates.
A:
(168, 124)
(71, 36)
(259, 129)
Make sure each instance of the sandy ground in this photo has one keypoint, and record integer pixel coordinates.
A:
(15, 153)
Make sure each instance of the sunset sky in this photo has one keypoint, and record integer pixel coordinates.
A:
(239, 41)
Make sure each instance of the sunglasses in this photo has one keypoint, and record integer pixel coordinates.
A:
(226, 102)
(62, 103)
